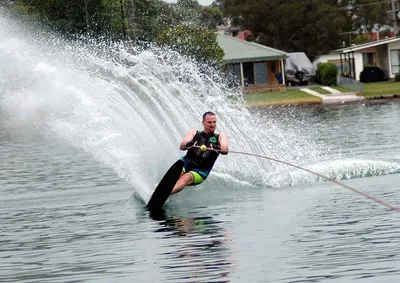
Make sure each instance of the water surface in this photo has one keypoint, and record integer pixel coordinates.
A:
(83, 145)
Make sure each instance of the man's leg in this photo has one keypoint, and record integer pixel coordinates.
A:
(183, 181)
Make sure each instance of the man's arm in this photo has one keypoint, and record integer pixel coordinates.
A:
(223, 143)
(189, 137)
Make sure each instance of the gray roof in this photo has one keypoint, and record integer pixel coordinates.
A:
(237, 50)
(366, 45)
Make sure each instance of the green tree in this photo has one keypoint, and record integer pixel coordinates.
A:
(366, 14)
(188, 4)
(210, 17)
(290, 25)
(148, 18)
(188, 11)
(194, 41)
(218, 4)
(97, 17)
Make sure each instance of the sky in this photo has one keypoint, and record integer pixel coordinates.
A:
(201, 2)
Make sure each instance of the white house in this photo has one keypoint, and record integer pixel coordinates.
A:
(350, 61)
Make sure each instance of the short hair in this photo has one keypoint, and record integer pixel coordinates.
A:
(207, 114)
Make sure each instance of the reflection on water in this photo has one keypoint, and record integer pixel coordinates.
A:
(199, 253)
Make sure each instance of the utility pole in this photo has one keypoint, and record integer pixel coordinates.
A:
(394, 18)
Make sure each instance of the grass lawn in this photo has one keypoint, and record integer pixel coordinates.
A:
(290, 96)
(381, 88)
(296, 96)
(320, 90)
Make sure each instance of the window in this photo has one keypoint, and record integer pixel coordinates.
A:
(261, 73)
(395, 59)
(368, 60)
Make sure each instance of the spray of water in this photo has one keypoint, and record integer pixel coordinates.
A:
(130, 108)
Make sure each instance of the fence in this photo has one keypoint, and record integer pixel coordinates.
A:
(351, 84)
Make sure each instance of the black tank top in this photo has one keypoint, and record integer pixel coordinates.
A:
(203, 159)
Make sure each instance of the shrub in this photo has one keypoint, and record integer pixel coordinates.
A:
(326, 74)
(361, 38)
(384, 33)
(397, 77)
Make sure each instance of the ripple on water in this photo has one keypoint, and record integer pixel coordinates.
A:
(358, 240)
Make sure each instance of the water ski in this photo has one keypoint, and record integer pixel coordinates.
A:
(164, 188)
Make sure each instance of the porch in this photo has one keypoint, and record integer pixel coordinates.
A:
(251, 66)
(258, 76)
(384, 54)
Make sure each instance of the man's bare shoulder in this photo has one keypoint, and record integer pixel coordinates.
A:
(191, 133)
(194, 131)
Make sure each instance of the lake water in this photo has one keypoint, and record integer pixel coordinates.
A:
(84, 139)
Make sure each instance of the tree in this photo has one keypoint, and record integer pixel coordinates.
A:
(290, 25)
(187, 11)
(193, 41)
(367, 14)
(148, 18)
(210, 17)
(218, 4)
(187, 4)
(97, 17)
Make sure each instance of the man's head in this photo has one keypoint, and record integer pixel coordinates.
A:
(209, 122)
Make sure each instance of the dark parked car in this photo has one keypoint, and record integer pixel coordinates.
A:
(371, 74)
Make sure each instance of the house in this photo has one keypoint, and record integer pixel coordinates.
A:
(350, 61)
(253, 66)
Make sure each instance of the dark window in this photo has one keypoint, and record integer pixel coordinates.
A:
(367, 59)
(248, 72)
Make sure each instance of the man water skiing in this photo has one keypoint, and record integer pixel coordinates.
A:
(199, 162)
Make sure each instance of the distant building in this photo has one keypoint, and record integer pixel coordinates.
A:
(253, 66)
(384, 54)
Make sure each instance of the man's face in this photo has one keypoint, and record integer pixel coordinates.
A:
(210, 123)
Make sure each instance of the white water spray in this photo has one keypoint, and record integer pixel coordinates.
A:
(130, 109)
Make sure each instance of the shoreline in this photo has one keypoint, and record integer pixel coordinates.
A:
(382, 99)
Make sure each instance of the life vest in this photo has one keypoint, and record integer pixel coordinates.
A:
(203, 159)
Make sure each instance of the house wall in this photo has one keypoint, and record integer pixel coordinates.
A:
(359, 65)
(392, 46)
(382, 59)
